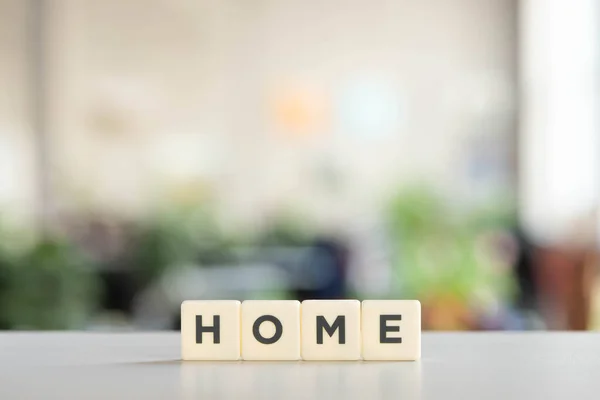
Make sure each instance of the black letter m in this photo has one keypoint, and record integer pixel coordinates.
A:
(340, 322)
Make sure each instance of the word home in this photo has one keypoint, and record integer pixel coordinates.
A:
(311, 330)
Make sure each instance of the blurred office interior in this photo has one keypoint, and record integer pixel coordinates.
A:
(153, 151)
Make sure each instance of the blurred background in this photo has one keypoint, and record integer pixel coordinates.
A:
(161, 150)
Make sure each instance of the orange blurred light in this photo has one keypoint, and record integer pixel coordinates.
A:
(300, 111)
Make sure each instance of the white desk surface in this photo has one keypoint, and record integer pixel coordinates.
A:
(461, 366)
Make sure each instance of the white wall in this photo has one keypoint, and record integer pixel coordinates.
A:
(560, 145)
(149, 97)
(17, 185)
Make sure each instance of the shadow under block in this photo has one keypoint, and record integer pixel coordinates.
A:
(391, 330)
(330, 330)
(210, 330)
(271, 330)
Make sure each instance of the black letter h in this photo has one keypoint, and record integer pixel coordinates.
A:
(215, 329)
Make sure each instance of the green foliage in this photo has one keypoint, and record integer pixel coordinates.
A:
(287, 229)
(48, 286)
(176, 237)
(417, 210)
(439, 252)
(5, 264)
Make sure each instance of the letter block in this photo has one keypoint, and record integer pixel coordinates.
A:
(331, 330)
(271, 330)
(391, 330)
(315, 330)
(210, 330)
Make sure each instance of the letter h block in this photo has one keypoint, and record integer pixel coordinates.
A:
(210, 330)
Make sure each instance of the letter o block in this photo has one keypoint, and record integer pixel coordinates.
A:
(331, 330)
(210, 330)
(270, 330)
(391, 330)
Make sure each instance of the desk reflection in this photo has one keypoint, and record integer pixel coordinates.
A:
(301, 380)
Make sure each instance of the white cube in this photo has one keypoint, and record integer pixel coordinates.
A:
(331, 330)
(271, 330)
(210, 330)
(391, 330)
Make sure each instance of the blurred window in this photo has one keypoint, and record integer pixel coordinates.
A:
(560, 146)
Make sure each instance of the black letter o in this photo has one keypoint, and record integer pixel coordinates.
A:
(256, 329)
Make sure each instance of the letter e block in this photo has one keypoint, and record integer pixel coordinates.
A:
(210, 330)
(391, 330)
(331, 330)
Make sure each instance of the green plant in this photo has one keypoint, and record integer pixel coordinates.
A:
(440, 252)
(174, 237)
(286, 229)
(51, 285)
(4, 284)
